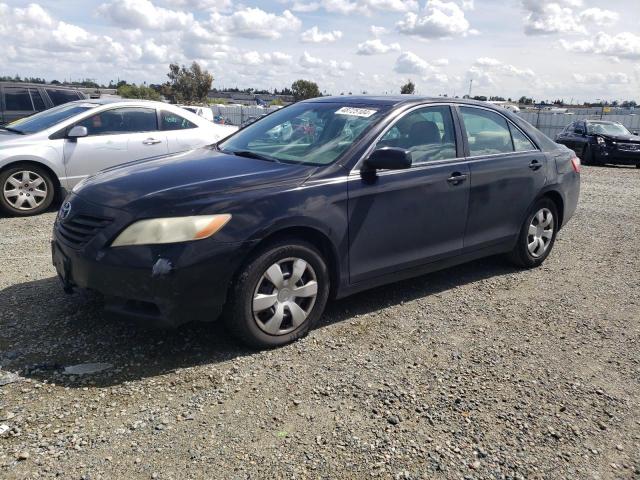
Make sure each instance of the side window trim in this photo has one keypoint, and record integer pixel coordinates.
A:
(356, 168)
(467, 151)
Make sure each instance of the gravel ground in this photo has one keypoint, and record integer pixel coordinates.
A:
(480, 371)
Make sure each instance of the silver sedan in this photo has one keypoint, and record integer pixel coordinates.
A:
(45, 154)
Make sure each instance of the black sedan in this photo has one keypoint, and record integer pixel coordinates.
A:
(265, 228)
(598, 142)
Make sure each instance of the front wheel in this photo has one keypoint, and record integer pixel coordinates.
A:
(26, 190)
(279, 295)
(537, 236)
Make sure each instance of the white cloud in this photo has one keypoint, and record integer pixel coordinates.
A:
(314, 35)
(378, 31)
(309, 61)
(623, 45)
(545, 17)
(254, 23)
(346, 7)
(600, 17)
(376, 47)
(437, 20)
(144, 14)
(610, 78)
(409, 62)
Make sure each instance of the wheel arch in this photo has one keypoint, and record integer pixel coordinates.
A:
(308, 234)
(54, 176)
(557, 199)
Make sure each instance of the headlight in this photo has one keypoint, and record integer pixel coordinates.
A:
(171, 230)
(601, 141)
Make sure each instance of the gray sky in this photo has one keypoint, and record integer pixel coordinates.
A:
(580, 49)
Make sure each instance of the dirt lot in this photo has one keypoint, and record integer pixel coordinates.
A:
(481, 371)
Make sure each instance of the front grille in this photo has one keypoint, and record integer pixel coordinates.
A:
(80, 229)
(629, 147)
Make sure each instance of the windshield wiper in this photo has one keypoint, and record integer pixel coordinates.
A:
(250, 154)
(14, 130)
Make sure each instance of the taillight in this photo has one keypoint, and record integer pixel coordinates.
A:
(575, 163)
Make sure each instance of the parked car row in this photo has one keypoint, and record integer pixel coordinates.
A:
(324, 198)
(597, 142)
(50, 152)
(19, 100)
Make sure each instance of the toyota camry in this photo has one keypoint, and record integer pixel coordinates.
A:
(263, 229)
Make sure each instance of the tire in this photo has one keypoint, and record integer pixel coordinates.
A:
(26, 189)
(273, 320)
(522, 255)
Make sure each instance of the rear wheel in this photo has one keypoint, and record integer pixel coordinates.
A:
(26, 190)
(279, 295)
(537, 236)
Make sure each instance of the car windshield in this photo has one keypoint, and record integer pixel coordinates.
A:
(311, 133)
(607, 129)
(49, 118)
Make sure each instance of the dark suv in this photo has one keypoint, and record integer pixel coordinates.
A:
(598, 142)
(18, 100)
(266, 228)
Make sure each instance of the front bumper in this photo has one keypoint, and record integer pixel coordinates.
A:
(606, 154)
(161, 285)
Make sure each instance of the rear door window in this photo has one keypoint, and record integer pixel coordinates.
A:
(121, 120)
(173, 121)
(58, 97)
(487, 132)
(17, 99)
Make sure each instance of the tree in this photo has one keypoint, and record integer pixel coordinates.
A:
(408, 88)
(189, 85)
(141, 92)
(525, 101)
(303, 89)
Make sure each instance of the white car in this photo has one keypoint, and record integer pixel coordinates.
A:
(204, 112)
(49, 152)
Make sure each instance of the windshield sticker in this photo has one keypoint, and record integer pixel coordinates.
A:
(356, 112)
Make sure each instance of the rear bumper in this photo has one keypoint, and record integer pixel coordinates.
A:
(160, 287)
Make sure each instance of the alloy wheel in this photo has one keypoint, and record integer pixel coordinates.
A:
(540, 233)
(285, 296)
(25, 190)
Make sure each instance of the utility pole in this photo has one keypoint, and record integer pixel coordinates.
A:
(470, 86)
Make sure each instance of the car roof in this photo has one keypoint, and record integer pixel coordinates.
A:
(607, 122)
(394, 100)
(44, 85)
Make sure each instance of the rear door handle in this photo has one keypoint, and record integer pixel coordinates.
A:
(535, 165)
(457, 178)
(151, 141)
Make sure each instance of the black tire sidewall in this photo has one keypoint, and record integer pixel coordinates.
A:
(51, 193)
(239, 318)
(521, 252)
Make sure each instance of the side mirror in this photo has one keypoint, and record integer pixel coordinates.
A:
(634, 133)
(77, 132)
(388, 158)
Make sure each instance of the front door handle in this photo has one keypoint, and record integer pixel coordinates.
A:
(535, 165)
(456, 178)
(152, 141)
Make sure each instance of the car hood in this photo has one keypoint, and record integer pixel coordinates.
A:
(192, 178)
